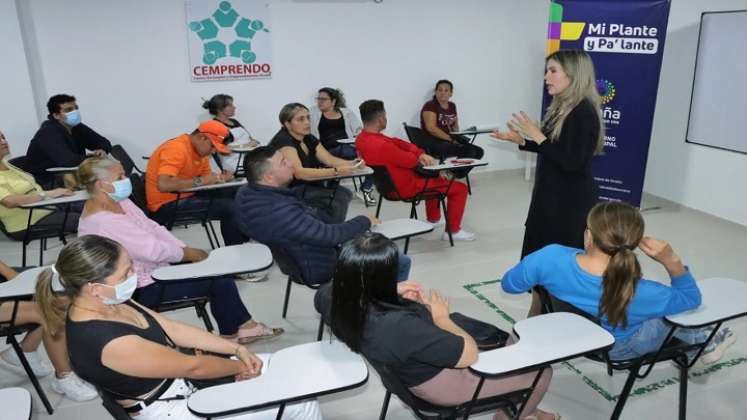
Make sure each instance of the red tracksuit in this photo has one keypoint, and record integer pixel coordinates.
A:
(400, 158)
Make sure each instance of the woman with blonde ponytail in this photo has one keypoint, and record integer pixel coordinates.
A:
(65, 382)
(570, 134)
(604, 279)
(129, 351)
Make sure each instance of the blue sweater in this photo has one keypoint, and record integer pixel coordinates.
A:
(555, 268)
(276, 217)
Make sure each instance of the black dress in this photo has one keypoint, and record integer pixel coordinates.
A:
(564, 188)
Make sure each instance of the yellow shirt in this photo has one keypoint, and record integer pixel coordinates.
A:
(12, 182)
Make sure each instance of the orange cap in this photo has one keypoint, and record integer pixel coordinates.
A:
(216, 132)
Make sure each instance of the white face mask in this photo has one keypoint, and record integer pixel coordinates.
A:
(123, 291)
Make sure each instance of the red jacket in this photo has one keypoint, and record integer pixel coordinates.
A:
(399, 157)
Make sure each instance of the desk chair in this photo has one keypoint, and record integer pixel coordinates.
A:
(112, 407)
(427, 411)
(10, 329)
(420, 138)
(19, 162)
(290, 268)
(388, 190)
(40, 232)
(16, 403)
(671, 349)
(184, 218)
(119, 153)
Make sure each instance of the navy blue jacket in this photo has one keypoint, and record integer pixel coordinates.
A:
(53, 146)
(276, 217)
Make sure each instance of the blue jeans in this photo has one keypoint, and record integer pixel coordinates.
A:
(649, 338)
(225, 303)
(348, 152)
(403, 267)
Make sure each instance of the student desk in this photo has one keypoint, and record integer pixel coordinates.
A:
(15, 403)
(402, 228)
(228, 260)
(44, 232)
(293, 374)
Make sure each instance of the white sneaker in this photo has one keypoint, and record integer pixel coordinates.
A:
(438, 223)
(721, 341)
(462, 235)
(40, 367)
(74, 388)
(254, 277)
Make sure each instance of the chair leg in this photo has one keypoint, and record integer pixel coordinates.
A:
(42, 245)
(287, 297)
(413, 211)
(407, 245)
(203, 313)
(378, 206)
(30, 374)
(23, 254)
(385, 405)
(209, 236)
(320, 331)
(215, 235)
(623, 398)
(446, 219)
(469, 186)
(683, 390)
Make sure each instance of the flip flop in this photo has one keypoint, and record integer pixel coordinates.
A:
(258, 332)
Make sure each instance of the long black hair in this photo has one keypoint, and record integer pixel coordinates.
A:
(366, 276)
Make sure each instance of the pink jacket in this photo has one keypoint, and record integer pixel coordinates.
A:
(149, 244)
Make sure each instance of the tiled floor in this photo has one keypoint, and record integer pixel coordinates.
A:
(496, 211)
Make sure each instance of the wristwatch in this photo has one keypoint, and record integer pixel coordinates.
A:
(196, 181)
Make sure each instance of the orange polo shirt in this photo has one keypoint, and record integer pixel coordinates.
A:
(175, 157)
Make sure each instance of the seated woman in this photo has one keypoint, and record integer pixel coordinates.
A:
(310, 160)
(604, 280)
(65, 381)
(438, 117)
(409, 331)
(17, 188)
(222, 109)
(108, 212)
(332, 121)
(105, 328)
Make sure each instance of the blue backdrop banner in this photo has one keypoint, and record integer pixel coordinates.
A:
(625, 39)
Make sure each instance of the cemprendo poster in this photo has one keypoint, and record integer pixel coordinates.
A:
(625, 39)
(229, 40)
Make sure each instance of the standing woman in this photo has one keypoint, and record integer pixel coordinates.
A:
(439, 118)
(332, 121)
(311, 160)
(570, 135)
(222, 109)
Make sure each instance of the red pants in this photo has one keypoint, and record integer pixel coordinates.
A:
(456, 201)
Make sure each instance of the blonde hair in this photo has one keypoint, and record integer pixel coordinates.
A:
(579, 68)
(86, 259)
(95, 169)
(616, 229)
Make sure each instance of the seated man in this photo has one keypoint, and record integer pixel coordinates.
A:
(62, 140)
(182, 163)
(401, 158)
(272, 214)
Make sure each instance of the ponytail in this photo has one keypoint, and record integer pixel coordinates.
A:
(619, 282)
(52, 306)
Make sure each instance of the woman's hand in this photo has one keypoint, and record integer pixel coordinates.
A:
(663, 253)
(523, 124)
(427, 160)
(410, 290)
(59, 192)
(438, 306)
(345, 169)
(509, 135)
(194, 254)
(252, 363)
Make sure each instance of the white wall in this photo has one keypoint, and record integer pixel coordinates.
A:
(707, 179)
(126, 62)
(18, 119)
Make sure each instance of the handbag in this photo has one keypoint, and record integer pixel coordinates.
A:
(486, 335)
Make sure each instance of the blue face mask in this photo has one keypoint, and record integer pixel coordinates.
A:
(72, 118)
(122, 189)
(123, 291)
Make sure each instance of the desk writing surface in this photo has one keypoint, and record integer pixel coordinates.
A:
(356, 173)
(346, 141)
(75, 197)
(456, 163)
(545, 339)
(402, 228)
(306, 370)
(61, 169)
(25, 284)
(15, 403)
(480, 129)
(722, 299)
(217, 186)
(227, 260)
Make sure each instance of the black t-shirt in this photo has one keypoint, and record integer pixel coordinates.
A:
(232, 123)
(331, 130)
(284, 139)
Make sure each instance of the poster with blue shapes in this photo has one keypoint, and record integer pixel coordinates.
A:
(229, 40)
